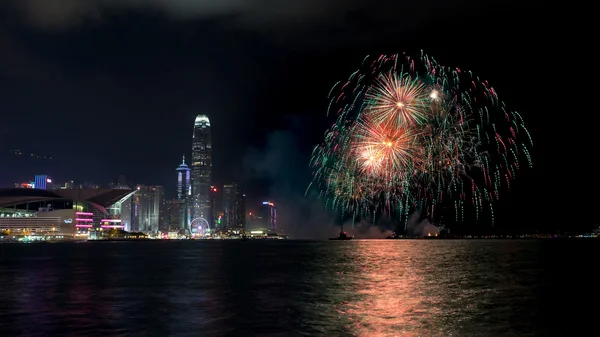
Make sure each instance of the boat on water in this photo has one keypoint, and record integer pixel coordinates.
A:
(342, 236)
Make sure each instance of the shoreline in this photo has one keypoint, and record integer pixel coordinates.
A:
(405, 239)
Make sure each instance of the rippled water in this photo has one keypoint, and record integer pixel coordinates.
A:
(299, 288)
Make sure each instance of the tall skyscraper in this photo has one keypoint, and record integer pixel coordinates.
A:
(184, 186)
(268, 214)
(215, 202)
(184, 194)
(234, 206)
(201, 169)
(173, 214)
(147, 203)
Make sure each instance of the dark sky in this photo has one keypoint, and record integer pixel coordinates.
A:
(112, 87)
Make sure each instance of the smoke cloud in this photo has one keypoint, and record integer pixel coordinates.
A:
(285, 169)
(420, 227)
(63, 13)
(368, 230)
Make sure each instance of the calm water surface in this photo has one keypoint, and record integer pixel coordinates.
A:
(300, 288)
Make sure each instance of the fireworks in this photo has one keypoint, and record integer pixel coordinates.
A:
(411, 134)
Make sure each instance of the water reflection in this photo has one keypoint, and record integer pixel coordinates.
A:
(388, 283)
(294, 288)
(432, 288)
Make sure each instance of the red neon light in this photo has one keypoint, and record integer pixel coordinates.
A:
(112, 226)
(84, 213)
(84, 220)
(84, 226)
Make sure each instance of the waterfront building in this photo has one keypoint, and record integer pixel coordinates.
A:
(62, 214)
(234, 207)
(184, 196)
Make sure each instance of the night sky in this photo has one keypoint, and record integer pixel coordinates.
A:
(112, 87)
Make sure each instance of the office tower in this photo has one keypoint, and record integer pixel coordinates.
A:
(122, 209)
(147, 203)
(173, 214)
(184, 194)
(201, 169)
(268, 214)
(158, 197)
(234, 206)
(184, 186)
(40, 181)
(163, 225)
(215, 204)
(127, 209)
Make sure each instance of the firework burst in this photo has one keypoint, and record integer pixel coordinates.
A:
(411, 134)
(397, 100)
(380, 150)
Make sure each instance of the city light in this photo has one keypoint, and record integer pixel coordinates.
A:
(84, 220)
(84, 213)
(48, 180)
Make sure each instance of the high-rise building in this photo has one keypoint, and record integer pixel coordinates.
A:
(201, 169)
(268, 214)
(174, 214)
(127, 209)
(184, 195)
(146, 208)
(162, 215)
(234, 206)
(215, 204)
(184, 186)
(40, 181)
(122, 208)
(228, 206)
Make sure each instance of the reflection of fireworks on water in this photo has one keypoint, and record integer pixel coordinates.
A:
(412, 134)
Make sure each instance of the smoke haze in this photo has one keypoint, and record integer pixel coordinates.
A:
(368, 230)
(420, 227)
(284, 169)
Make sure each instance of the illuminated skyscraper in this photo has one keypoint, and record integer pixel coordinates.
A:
(268, 215)
(146, 204)
(214, 205)
(184, 193)
(234, 206)
(184, 186)
(201, 169)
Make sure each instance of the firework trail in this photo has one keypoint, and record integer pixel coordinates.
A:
(412, 134)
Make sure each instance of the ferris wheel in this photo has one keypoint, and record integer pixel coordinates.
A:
(199, 225)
